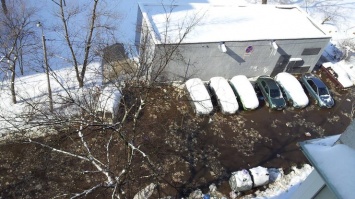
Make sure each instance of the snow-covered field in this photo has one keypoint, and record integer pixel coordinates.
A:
(335, 16)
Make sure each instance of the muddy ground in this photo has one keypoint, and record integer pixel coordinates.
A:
(192, 151)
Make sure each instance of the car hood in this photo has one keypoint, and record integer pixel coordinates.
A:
(327, 100)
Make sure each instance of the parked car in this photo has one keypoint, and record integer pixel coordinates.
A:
(292, 89)
(271, 92)
(199, 96)
(245, 92)
(318, 90)
(224, 94)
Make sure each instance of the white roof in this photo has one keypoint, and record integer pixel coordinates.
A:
(245, 91)
(199, 95)
(293, 87)
(335, 163)
(218, 23)
(225, 95)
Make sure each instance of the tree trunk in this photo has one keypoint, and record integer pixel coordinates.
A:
(88, 44)
(264, 1)
(4, 7)
(12, 83)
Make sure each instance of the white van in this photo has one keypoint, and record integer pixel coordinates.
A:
(224, 94)
(245, 91)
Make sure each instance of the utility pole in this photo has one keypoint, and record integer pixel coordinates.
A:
(46, 67)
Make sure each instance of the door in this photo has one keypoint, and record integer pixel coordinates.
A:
(295, 65)
(280, 64)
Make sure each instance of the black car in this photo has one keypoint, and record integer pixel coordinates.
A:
(271, 92)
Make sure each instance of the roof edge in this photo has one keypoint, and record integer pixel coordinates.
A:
(313, 162)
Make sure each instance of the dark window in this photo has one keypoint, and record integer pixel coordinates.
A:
(314, 87)
(267, 89)
(311, 51)
(274, 93)
(263, 83)
(323, 91)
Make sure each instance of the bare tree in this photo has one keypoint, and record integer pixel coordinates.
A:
(125, 159)
(4, 7)
(125, 163)
(83, 41)
(17, 39)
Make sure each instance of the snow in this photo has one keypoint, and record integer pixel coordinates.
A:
(293, 87)
(245, 92)
(260, 176)
(284, 186)
(33, 89)
(219, 22)
(109, 100)
(343, 76)
(340, 176)
(349, 68)
(199, 96)
(241, 181)
(225, 95)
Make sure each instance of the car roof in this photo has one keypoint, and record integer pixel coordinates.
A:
(319, 83)
(269, 81)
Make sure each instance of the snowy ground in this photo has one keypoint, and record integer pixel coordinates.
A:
(338, 18)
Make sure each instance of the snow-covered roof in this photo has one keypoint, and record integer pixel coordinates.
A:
(216, 23)
(293, 87)
(343, 76)
(224, 94)
(245, 91)
(323, 153)
(349, 68)
(200, 96)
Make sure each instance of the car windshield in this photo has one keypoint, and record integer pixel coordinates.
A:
(274, 93)
(323, 91)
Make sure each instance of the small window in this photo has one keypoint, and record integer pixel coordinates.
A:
(311, 51)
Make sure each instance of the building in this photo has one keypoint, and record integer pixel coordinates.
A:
(226, 40)
(333, 159)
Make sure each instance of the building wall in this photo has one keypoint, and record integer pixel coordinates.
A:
(206, 60)
(313, 187)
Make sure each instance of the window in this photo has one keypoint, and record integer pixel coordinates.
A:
(323, 91)
(311, 83)
(274, 93)
(263, 83)
(267, 89)
(311, 51)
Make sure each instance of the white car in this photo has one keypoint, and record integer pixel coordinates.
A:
(293, 89)
(224, 94)
(199, 96)
(245, 91)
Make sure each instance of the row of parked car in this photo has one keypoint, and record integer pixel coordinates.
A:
(276, 92)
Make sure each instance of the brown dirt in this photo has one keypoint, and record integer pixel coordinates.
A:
(191, 152)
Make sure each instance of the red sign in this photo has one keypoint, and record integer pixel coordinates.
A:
(249, 49)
